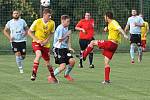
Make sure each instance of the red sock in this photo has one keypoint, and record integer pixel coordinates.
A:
(35, 67)
(107, 73)
(51, 70)
(87, 51)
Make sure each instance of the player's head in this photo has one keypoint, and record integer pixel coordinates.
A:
(87, 16)
(15, 14)
(108, 16)
(47, 13)
(65, 20)
(134, 12)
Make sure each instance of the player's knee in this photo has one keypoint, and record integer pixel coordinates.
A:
(71, 61)
(18, 53)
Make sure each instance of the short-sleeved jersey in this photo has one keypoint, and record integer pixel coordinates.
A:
(114, 33)
(60, 32)
(131, 22)
(43, 30)
(88, 26)
(17, 29)
(144, 30)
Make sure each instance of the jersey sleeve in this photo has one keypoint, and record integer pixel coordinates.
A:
(79, 24)
(53, 28)
(128, 22)
(7, 25)
(33, 26)
(60, 33)
(141, 20)
(24, 23)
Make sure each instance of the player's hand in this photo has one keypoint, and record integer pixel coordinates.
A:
(39, 41)
(83, 31)
(71, 49)
(11, 39)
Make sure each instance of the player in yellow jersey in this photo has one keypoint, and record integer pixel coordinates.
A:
(43, 29)
(109, 46)
(144, 31)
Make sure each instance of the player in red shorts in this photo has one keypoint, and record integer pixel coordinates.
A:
(43, 28)
(109, 46)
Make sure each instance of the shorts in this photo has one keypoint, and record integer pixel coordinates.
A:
(143, 43)
(19, 47)
(62, 55)
(45, 51)
(135, 38)
(84, 43)
(108, 47)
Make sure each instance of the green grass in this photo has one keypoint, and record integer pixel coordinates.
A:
(129, 81)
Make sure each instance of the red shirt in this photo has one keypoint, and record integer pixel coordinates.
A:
(88, 26)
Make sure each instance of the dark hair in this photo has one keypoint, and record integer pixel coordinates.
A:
(109, 15)
(47, 10)
(64, 17)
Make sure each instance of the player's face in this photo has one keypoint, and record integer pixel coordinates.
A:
(87, 16)
(134, 12)
(66, 22)
(105, 18)
(47, 16)
(15, 14)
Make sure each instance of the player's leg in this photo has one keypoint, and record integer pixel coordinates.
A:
(37, 50)
(16, 50)
(89, 48)
(69, 67)
(143, 43)
(132, 49)
(106, 71)
(91, 56)
(46, 57)
(138, 41)
(36, 61)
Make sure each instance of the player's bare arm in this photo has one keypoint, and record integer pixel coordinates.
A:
(80, 29)
(7, 34)
(123, 33)
(126, 28)
(69, 44)
(65, 36)
(139, 24)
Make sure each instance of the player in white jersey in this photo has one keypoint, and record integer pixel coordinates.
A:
(16, 30)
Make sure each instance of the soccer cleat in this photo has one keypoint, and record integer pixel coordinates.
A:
(106, 82)
(80, 66)
(68, 77)
(21, 71)
(132, 61)
(33, 76)
(91, 66)
(52, 80)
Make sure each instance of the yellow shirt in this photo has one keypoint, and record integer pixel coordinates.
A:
(114, 33)
(144, 31)
(42, 30)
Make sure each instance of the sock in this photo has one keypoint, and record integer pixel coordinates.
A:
(35, 67)
(51, 70)
(81, 59)
(107, 73)
(91, 58)
(87, 51)
(56, 72)
(19, 62)
(132, 51)
(139, 50)
(68, 69)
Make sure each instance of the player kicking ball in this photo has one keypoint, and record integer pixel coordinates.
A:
(43, 28)
(109, 46)
(62, 47)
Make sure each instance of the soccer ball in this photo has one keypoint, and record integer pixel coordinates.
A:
(45, 3)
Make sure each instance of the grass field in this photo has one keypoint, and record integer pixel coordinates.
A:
(129, 82)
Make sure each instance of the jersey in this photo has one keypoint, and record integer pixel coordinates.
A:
(43, 30)
(114, 33)
(88, 26)
(60, 33)
(144, 30)
(131, 21)
(17, 30)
